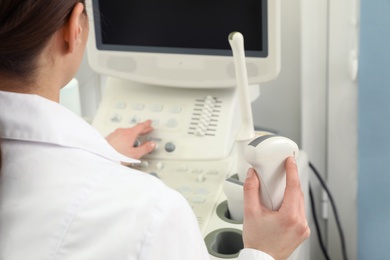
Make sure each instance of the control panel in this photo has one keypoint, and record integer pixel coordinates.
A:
(189, 124)
(199, 182)
(194, 130)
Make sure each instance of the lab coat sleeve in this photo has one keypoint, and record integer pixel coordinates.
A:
(174, 232)
(253, 254)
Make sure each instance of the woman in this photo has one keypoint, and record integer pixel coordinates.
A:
(64, 193)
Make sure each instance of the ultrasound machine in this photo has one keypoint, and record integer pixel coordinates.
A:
(171, 62)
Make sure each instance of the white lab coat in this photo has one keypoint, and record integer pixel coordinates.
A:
(65, 195)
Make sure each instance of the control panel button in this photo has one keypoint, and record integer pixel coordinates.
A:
(210, 99)
(175, 109)
(138, 107)
(197, 171)
(212, 172)
(116, 118)
(204, 120)
(207, 113)
(144, 164)
(172, 123)
(182, 169)
(200, 132)
(159, 166)
(153, 139)
(202, 191)
(120, 105)
(170, 147)
(198, 199)
(134, 120)
(156, 108)
(200, 178)
(200, 220)
(184, 190)
(202, 128)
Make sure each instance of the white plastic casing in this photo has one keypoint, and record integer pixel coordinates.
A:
(267, 155)
(233, 190)
(185, 70)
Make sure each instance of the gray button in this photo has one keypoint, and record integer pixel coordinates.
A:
(134, 120)
(170, 147)
(116, 118)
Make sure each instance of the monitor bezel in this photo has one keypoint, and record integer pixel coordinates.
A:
(173, 66)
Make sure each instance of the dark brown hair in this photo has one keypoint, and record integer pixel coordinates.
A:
(26, 26)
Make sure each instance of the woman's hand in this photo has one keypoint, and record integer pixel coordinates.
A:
(124, 139)
(277, 233)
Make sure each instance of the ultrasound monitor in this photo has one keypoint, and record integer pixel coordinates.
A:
(183, 44)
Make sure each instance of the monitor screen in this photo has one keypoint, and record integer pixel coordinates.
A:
(183, 43)
(177, 26)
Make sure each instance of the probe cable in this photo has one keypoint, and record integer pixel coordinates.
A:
(335, 212)
(317, 226)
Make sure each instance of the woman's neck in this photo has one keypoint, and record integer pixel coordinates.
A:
(41, 88)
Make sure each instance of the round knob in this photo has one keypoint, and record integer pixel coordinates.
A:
(160, 166)
(170, 147)
(200, 178)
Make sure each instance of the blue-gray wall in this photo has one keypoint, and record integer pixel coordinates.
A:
(374, 131)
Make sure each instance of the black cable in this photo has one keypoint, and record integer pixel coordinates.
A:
(335, 212)
(319, 233)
